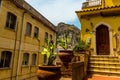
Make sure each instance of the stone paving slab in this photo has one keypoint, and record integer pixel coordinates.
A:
(96, 78)
(103, 78)
(62, 78)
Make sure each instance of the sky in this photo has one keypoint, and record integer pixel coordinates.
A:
(57, 11)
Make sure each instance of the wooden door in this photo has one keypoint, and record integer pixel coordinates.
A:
(102, 40)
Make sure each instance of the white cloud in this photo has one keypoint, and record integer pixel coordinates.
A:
(57, 10)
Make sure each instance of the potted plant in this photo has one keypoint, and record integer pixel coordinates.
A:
(81, 51)
(49, 71)
(65, 54)
(81, 47)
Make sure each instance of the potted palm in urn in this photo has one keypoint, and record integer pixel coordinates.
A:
(50, 71)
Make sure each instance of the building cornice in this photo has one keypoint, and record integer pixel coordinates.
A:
(34, 13)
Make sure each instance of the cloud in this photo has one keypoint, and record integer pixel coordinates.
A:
(57, 10)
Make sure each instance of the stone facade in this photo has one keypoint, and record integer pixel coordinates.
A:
(22, 35)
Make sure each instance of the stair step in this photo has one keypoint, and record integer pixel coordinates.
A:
(105, 61)
(103, 58)
(107, 73)
(111, 72)
(114, 63)
(104, 69)
(104, 65)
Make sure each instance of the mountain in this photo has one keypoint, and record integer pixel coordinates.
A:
(69, 34)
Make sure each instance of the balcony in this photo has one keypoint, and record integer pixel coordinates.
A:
(92, 3)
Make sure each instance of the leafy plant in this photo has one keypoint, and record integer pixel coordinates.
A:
(64, 42)
(49, 51)
(81, 46)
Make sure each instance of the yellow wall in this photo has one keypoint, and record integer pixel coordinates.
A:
(116, 2)
(108, 3)
(112, 21)
(29, 44)
(93, 18)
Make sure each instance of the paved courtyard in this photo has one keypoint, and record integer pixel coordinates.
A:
(65, 78)
(97, 78)
(103, 78)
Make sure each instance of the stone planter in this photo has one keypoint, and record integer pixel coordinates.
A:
(66, 56)
(84, 58)
(49, 73)
(76, 58)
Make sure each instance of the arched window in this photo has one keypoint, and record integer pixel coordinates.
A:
(5, 59)
(25, 59)
(34, 57)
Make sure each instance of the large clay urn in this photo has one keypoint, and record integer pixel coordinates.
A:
(66, 56)
(49, 73)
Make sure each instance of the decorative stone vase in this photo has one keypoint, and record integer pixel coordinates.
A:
(66, 56)
(49, 73)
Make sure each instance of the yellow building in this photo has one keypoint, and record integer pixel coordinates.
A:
(100, 28)
(23, 32)
(100, 25)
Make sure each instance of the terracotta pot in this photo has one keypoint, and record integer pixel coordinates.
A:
(49, 73)
(66, 56)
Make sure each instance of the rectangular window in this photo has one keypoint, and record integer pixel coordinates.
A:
(11, 21)
(25, 59)
(34, 59)
(46, 37)
(28, 29)
(36, 32)
(5, 59)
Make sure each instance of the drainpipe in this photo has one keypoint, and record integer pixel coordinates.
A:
(16, 33)
(38, 51)
(20, 46)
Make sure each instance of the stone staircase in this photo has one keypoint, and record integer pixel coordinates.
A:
(104, 65)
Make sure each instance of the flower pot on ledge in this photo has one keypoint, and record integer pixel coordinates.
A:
(49, 73)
